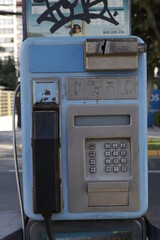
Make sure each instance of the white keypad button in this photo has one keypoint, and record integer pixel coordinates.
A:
(108, 169)
(92, 146)
(123, 153)
(124, 169)
(107, 153)
(107, 145)
(93, 161)
(93, 169)
(108, 161)
(115, 153)
(115, 160)
(92, 153)
(123, 160)
(116, 169)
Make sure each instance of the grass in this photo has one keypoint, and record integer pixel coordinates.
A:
(153, 144)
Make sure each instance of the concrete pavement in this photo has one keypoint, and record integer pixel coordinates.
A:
(10, 219)
(6, 123)
(154, 133)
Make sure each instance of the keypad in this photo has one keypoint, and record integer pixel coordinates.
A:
(107, 159)
(115, 145)
(123, 153)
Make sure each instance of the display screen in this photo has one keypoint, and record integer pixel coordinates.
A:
(102, 120)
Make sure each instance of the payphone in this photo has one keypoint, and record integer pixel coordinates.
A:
(84, 128)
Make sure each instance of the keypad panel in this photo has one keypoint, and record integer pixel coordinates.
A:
(107, 159)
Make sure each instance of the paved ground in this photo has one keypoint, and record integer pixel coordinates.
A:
(153, 213)
(10, 219)
(6, 123)
(154, 132)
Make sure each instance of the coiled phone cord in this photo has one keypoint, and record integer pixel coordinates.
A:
(23, 218)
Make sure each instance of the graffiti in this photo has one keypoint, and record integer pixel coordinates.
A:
(59, 7)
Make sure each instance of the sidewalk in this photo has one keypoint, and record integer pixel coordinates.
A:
(6, 123)
(10, 218)
(154, 132)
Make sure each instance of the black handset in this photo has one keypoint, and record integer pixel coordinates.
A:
(46, 169)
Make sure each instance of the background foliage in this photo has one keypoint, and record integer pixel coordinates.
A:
(8, 77)
(146, 24)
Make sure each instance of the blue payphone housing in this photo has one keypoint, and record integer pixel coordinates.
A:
(93, 93)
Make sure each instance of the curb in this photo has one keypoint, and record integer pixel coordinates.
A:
(153, 153)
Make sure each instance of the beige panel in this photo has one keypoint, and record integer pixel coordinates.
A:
(111, 54)
(95, 63)
(111, 46)
(108, 199)
(108, 187)
(124, 197)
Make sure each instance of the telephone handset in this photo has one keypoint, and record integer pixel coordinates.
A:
(45, 148)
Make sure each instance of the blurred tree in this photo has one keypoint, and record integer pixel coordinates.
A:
(2, 49)
(146, 24)
(8, 77)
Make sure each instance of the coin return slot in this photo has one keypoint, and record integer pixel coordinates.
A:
(108, 194)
